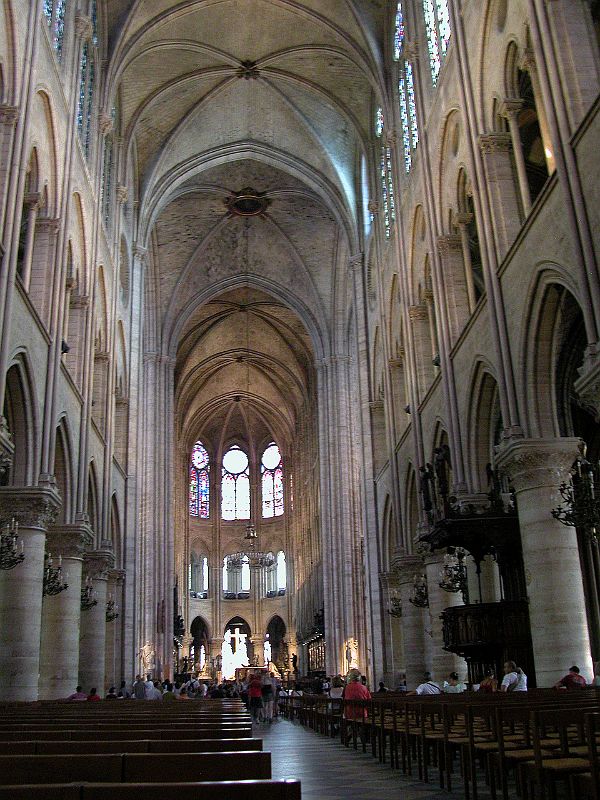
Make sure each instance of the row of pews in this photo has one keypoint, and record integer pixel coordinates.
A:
(134, 750)
(542, 743)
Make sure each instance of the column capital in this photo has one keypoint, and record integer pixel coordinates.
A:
(105, 123)
(122, 193)
(376, 405)
(32, 200)
(391, 138)
(29, 506)
(587, 385)
(9, 114)
(83, 26)
(373, 206)
(405, 566)
(528, 62)
(356, 261)
(98, 563)
(463, 218)
(140, 252)
(411, 50)
(495, 142)
(510, 107)
(396, 363)
(49, 225)
(116, 576)
(417, 312)
(69, 541)
(535, 463)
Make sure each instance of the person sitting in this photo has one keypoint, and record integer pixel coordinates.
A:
(93, 696)
(514, 679)
(427, 687)
(572, 680)
(78, 695)
(452, 684)
(489, 684)
(112, 694)
(382, 688)
(168, 693)
(154, 693)
(183, 695)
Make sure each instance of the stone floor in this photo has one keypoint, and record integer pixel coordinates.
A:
(329, 771)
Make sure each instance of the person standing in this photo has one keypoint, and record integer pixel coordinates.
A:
(267, 699)
(355, 698)
(255, 698)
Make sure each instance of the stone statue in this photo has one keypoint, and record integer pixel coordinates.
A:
(227, 657)
(267, 651)
(147, 655)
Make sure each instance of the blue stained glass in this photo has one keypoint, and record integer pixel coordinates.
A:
(443, 24)
(94, 16)
(59, 26)
(235, 485)
(48, 9)
(384, 193)
(88, 117)
(199, 482)
(193, 492)
(408, 114)
(82, 84)
(405, 123)
(412, 106)
(390, 180)
(399, 32)
(432, 39)
(272, 482)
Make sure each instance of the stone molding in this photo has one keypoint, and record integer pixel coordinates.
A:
(405, 567)
(463, 218)
(29, 506)
(33, 200)
(356, 261)
(117, 576)
(101, 355)
(411, 50)
(80, 301)
(495, 142)
(140, 252)
(373, 206)
(537, 463)
(396, 363)
(376, 405)
(69, 541)
(391, 138)
(9, 114)
(50, 225)
(105, 123)
(7, 447)
(98, 564)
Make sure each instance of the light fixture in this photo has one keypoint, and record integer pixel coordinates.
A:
(453, 575)
(88, 595)
(10, 552)
(581, 501)
(420, 597)
(112, 610)
(53, 577)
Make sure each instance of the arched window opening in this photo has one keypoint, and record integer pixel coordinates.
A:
(437, 25)
(108, 166)
(281, 573)
(387, 177)
(408, 113)
(236, 577)
(367, 213)
(595, 11)
(530, 133)
(29, 214)
(272, 482)
(470, 238)
(235, 485)
(54, 11)
(199, 496)
(86, 97)
(399, 32)
(198, 576)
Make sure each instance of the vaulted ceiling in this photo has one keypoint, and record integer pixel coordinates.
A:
(220, 95)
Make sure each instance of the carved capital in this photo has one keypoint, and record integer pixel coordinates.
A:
(411, 50)
(417, 312)
(29, 506)
(8, 114)
(449, 244)
(69, 541)
(32, 200)
(587, 386)
(83, 26)
(535, 463)
(116, 576)
(463, 218)
(405, 567)
(140, 253)
(80, 301)
(376, 405)
(105, 123)
(495, 142)
(510, 108)
(98, 563)
(396, 363)
(356, 261)
(48, 225)
(122, 193)
(391, 138)
(373, 206)
(101, 355)
(528, 63)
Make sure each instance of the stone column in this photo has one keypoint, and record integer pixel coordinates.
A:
(420, 327)
(59, 651)
(442, 662)
(406, 567)
(92, 636)
(113, 629)
(458, 279)
(506, 214)
(510, 109)
(559, 629)
(34, 508)
(393, 650)
(528, 64)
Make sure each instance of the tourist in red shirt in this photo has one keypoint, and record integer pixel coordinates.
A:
(255, 697)
(572, 680)
(355, 711)
(94, 696)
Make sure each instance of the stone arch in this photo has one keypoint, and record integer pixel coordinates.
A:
(388, 535)
(412, 508)
(8, 53)
(116, 531)
(93, 503)
(63, 472)
(19, 413)
(484, 425)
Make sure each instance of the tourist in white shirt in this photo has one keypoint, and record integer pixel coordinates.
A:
(514, 679)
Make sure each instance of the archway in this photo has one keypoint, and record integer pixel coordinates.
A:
(276, 631)
(200, 648)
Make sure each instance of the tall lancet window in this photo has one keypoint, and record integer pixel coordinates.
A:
(272, 482)
(437, 24)
(199, 482)
(387, 177)
(86, 98)
(235, 485)
(399, 33)
(54, 11)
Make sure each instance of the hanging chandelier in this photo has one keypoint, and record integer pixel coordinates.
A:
(420, 597)
(581, 501)
(11, 553)
(256, 558)
(53, 578)
(88, 595)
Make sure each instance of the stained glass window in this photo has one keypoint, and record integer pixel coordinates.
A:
(281, 571)
(54, 11)
(384, 193)
(399, 32)
(437, 24)
(94, 18)
(108, 169)
(235, 485)
(271, 470)
(199, 482)
(86, 97)
(379, 122)
(408, 113)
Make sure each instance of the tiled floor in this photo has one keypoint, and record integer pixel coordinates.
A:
(329, 771)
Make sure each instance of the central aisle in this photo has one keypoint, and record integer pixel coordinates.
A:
(329, 771)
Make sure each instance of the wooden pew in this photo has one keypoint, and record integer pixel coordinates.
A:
(66, 747)
(223, 790)
(76, 734)
(135, 767)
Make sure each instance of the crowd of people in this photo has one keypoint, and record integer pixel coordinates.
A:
(260, 691)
